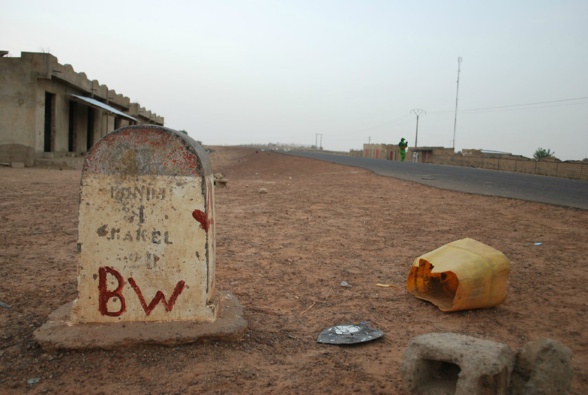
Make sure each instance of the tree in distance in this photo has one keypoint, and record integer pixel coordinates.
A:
(542, 153)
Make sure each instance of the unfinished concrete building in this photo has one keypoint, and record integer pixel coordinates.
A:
(47, 110)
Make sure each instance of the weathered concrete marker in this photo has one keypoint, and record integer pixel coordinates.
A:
(146, 230)
(147, 245)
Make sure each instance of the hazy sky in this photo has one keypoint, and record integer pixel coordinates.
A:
(238, 72)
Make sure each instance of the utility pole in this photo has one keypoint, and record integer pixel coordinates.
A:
(418, 112)
(321, 142)
(316, 140)
(456, 96)
(369, 140)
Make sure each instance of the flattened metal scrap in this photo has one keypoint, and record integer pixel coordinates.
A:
(349, 334)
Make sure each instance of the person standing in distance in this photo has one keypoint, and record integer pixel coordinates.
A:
(402, 144)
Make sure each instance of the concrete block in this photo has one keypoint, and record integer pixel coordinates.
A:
(450, 363)
(542, 367)
(221, 183)
(17, 165)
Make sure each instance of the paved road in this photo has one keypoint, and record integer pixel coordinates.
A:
(553, 190)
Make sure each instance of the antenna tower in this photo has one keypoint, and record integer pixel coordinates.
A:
(456, 97)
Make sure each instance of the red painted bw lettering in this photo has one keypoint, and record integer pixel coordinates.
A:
(159, 296)
(105, 295)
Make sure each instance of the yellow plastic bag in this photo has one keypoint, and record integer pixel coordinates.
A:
(461, 275)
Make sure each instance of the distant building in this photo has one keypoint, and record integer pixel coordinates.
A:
(478, 158)
(429, 154)
(381, 151)
(47, 110)
(414, 154)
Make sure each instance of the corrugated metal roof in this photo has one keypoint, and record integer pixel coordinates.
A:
(103, 106)
(488, 151)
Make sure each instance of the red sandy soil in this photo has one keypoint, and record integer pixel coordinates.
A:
(284, 254)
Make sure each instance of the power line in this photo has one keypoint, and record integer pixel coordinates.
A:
(528, 104)
(532, 108)
(512, 109)
(513, 106)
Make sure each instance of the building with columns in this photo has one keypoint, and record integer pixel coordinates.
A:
(48, 110)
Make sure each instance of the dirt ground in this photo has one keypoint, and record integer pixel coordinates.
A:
(284, 254)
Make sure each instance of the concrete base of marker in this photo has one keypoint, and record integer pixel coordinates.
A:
(59, 333)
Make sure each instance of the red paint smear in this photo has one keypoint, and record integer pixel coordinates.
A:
(105, 295)
(191, 160)
(201, 217)
(159, 297)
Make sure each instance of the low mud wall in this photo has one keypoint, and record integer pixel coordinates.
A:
(577, 171)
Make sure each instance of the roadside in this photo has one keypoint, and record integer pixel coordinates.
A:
(284, 254)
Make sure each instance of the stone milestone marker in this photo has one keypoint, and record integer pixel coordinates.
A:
(147, 248)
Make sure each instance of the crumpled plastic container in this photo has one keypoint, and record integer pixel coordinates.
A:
(461, 275)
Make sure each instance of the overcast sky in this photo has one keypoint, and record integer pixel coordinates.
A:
(238, 72)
